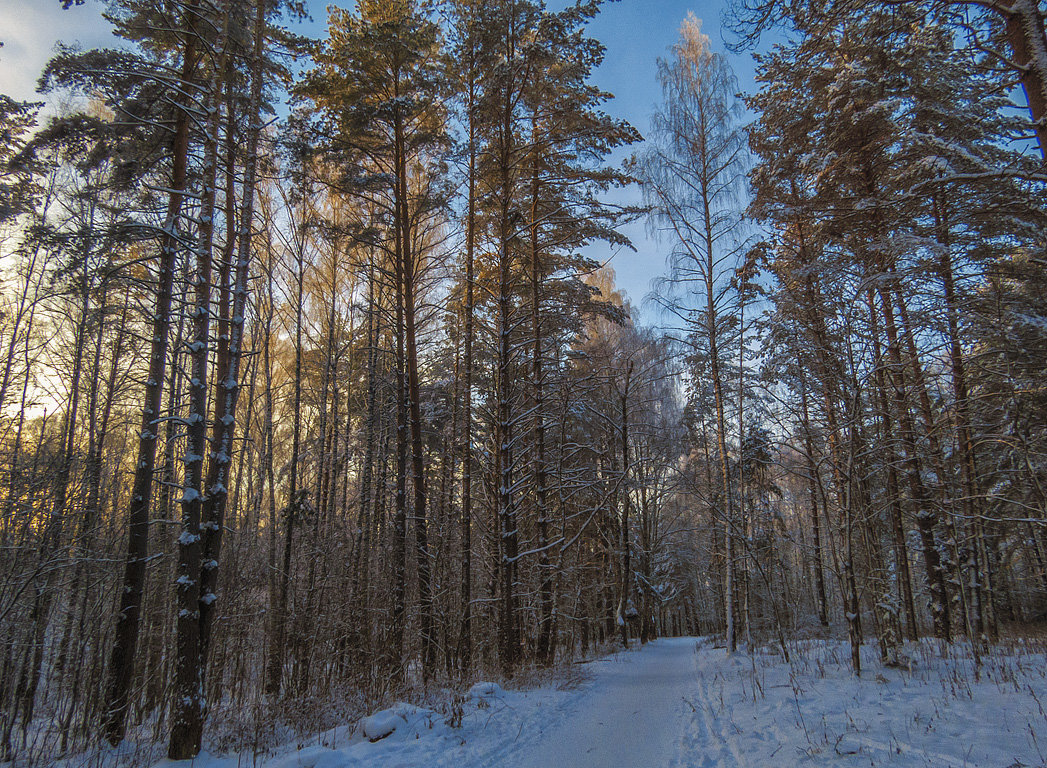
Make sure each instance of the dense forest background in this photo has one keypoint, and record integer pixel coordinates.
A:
(313, 393)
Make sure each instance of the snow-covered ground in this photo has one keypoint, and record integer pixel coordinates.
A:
(937, 711)
(682, 702)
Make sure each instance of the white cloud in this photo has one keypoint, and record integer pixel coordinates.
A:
(29, 30)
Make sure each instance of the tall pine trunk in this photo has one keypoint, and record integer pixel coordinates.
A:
(128, 621)
(545, 589)
(227, 373)
(189, 702)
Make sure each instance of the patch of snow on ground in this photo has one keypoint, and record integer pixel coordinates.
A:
(485, 691)
(381, 724)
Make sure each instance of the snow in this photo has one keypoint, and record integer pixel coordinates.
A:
(683, 702)
(381, 724)
(632, 714)
(484, 690)
(185, 538)
(760, 711)
(189, 495)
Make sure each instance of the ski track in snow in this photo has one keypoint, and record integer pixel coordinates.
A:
(710, 741)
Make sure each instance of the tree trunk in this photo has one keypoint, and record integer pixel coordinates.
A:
(189, 702)
(128, 622)
(812, 490)
(410, 277)
(227, 376)
(465, 654)
(926, 520)
(545, 593)
(624, 541)
(278, 629)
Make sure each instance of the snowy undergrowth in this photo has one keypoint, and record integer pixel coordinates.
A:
(687, 703)
(939, 709)
(297, 731)
(477, 726)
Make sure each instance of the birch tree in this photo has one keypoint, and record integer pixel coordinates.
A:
(691, 176)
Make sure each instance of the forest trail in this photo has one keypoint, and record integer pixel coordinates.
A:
(635, 711)
(684, 703)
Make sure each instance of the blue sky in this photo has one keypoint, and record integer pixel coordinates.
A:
(635, 32)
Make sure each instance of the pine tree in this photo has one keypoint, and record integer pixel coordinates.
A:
(568, 140)
(16, 119)
(1013, 31)
(125, 89)
(375, 92)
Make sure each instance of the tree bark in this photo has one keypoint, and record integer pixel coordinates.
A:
(189, 702)
(128, 622)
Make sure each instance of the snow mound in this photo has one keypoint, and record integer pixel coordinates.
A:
(381, 724)
(484, 690)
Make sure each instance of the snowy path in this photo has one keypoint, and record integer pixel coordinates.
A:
(632, 713)
(682, 703)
